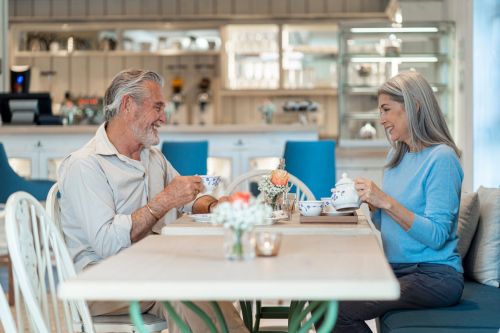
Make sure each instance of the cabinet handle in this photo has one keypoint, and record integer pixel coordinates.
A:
(239, 143)
(39, 144)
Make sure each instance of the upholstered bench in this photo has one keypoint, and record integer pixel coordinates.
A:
(479, 245)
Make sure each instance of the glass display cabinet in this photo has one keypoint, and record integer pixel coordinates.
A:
(371, 54)
(309, 56)
(280, 56)
(252, 56)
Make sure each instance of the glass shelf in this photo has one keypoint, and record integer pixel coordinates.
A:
(309, 56)
(64, 40)
(252, 56)
(281, 57)
(371, 54)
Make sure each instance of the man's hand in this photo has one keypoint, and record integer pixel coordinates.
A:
(181, 190)
(370, 193)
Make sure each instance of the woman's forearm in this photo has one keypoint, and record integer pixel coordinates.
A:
(399, 213)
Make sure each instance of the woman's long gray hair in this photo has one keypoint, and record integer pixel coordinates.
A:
(127, 82)
(426, 122)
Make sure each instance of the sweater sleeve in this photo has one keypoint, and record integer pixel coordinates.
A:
(376, 217)
(442, 190)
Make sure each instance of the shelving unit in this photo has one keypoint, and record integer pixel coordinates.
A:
(279, 63)
(371, 54)
(82, 58)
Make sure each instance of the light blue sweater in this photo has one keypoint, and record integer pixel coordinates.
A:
(428, 183)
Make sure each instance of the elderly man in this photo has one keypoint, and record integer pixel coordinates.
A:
(118, 188)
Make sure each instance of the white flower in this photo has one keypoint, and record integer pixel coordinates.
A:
(241, 215)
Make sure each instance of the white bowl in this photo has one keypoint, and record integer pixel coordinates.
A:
(210, 182)
(310, 207)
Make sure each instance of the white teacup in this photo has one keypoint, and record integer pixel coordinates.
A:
(210, 182)
(327, 205)
(310, 207)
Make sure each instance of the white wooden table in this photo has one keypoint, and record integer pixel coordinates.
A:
(308, 267)
(187, 226)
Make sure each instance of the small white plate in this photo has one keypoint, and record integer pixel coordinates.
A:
(269, 221)
(202, 218)
(337, 213)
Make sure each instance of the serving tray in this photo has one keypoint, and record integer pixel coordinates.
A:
(351, 218)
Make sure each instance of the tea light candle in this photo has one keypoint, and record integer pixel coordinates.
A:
(268, 244)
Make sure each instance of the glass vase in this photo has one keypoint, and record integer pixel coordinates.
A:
(239, 244)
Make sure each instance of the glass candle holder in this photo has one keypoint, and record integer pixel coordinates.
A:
(267, 244)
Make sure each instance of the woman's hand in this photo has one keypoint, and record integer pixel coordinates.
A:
(370, 193)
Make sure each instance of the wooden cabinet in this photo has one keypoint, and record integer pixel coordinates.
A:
(232, 149)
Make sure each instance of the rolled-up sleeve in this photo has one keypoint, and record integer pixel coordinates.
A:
(442, 189)
(87, 192)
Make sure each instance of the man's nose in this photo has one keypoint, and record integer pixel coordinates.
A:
(163, 117)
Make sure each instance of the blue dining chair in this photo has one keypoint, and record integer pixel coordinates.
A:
(12, 182)
(187, 157)
(313, 162)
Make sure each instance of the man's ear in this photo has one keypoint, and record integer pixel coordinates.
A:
(125, 105)
(417, 106)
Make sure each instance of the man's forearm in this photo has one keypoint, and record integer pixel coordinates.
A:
(145, 218)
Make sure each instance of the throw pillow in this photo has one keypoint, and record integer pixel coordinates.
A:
(483, 260)
(467, 221)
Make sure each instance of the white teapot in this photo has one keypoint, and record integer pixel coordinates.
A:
(344, 195)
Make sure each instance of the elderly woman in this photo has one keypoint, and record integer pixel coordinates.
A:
(416, 210)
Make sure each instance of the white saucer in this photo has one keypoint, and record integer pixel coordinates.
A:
(202, 218)
(337, 213)
(269, 221)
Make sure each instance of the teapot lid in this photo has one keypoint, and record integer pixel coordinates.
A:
(344, 180)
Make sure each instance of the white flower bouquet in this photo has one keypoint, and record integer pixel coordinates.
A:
(239, 216)
(241, 212)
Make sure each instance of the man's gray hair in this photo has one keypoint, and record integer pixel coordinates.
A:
(426, 122)
(127, 82)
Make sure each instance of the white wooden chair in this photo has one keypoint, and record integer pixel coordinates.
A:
(5, 314)
(242, 183)
(102, 324)
(39, 260)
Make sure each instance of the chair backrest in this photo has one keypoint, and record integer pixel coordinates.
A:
(187, 157)
(314, 163)
(40, 259)
(52, 207)
(242, 183)
(5, 314)
(12, 182)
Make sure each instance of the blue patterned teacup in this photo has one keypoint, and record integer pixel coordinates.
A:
(310, 207)
(210, 182)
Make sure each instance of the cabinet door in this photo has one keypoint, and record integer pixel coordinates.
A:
(252, 57)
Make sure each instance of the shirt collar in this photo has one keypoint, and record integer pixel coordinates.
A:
(105, 147)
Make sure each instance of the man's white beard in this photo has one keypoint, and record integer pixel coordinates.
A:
(146, 137)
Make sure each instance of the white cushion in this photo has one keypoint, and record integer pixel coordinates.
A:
(483, 260)
(467, 221)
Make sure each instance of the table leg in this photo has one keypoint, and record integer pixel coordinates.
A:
(136, 317)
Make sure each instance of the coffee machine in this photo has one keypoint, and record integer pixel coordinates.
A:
(20, 79)
(204, 110)
(179, 114)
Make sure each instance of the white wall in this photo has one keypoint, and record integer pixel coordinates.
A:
(461, 13)
(486, 80)
(4, 17)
